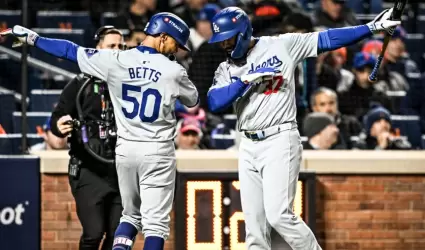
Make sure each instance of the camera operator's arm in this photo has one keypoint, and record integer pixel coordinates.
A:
(65, 109)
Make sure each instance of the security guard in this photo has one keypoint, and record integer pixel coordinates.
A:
(89, 124)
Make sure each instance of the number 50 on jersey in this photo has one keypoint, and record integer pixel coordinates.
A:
(149, 98)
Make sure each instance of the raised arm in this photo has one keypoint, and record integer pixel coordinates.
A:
(333, 39)
(90, 61)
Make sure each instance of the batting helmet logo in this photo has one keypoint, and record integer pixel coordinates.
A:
(216, 28)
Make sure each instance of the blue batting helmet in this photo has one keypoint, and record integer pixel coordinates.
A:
(230, 22)
(170, 24)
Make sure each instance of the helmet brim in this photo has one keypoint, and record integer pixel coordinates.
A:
(222, 36)
(184, 47)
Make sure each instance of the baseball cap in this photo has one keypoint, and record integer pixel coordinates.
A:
(372, 46)
(189, 124)
(316, 122)
(362, 59)
(374, 115)
(208, 12)
(400, 32)
(339, 1)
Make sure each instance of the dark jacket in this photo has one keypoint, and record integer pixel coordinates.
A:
(205, 62)
(347, 18)
(357, 100)
(370, 143)
(348, 126)
(91, 106)
(340, 144)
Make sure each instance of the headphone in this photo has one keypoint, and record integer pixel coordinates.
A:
(101, 32)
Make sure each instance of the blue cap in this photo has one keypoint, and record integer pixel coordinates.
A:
(362, 59)
(208, 12)
(400, 32)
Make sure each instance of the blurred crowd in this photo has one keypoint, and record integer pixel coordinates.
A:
(338, 107)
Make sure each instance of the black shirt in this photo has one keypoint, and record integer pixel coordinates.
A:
(91, 106)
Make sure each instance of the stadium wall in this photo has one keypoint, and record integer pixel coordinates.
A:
(364, 200)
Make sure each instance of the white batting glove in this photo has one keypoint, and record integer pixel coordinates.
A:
(382, 22)
(24, 35)
(258, 76)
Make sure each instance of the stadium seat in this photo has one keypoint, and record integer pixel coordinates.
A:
(421, 9)
(409, 126)
(222, 137)
(75, 35)
(44, 100)
(108, 18)
(8, 18)
(63, 19)
(7, 107)
(396, 99)
(10, 144)
(421, 24)
(415, 47)
(34, 120)
(230, 121)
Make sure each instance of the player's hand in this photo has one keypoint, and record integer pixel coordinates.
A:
(382, 22)
(62, 125)
(260, 75)
(24, 35)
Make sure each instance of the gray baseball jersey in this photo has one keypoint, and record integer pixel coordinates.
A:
(273, 102)
(144, 86)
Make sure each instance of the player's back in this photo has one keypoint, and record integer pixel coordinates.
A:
(144, 86)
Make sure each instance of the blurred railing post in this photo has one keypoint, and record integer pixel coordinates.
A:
(24, 79)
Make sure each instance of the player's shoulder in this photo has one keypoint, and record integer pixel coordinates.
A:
(223, 66)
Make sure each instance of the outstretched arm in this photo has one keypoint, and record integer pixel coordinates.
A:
(90, 61)
(333, 39)
(57, 47)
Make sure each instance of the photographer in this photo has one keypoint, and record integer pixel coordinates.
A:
(93, 182)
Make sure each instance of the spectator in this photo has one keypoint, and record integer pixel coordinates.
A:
(397, 57)
(334, 14)
(267, 16)
(136, 15)
(322, 132)
(201, 71)
(208, 122)
(189, 134)
(361, 93)
(199, 34)
(134, 38)
(325, 100)
(188, 10)
(202, 30)
(377, 134)
(388, 80)
(330, 71)
(51, 141)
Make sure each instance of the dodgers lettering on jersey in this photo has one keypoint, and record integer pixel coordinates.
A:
(273, 102)
(144, 86)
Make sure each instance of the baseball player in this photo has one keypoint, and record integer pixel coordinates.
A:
(144, 85)
(258, 79)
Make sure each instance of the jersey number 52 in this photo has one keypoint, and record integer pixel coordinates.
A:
(139, 108)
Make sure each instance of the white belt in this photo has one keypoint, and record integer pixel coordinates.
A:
(259, 135)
